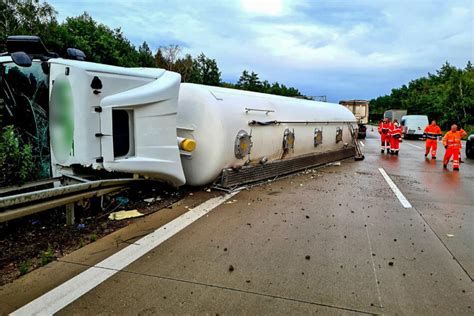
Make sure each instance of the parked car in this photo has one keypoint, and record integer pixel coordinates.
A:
(470, 147)
(414, 125)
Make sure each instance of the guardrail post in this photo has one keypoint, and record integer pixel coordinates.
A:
(70, 214)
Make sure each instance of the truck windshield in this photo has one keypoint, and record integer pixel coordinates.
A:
(24, 95)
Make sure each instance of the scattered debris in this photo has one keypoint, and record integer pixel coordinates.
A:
(122, 200)
(152, 200)
(117, 216)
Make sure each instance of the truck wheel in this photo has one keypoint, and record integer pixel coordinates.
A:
(469, 150)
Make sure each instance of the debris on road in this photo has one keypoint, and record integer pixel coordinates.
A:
(117, 216)
(152, 200)
(122, 200)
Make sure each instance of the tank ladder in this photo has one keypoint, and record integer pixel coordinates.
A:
(359, 155)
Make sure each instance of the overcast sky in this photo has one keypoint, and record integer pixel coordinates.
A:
(352, 49)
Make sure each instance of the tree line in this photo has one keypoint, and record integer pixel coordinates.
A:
(102, 44)
(446, 96)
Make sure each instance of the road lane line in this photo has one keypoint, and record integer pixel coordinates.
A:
(361, 143)
(71, 290)
(395, 189)
(413, 145)
(371, 254)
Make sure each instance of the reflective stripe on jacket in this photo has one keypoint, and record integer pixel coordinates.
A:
(432, 132)
(453, 140)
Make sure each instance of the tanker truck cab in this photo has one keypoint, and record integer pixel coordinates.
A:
(96, 111)
(413, 125)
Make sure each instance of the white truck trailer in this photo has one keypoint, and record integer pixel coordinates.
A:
(360, 109)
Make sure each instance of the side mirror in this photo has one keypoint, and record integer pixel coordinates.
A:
(21, 59)
(74, 53)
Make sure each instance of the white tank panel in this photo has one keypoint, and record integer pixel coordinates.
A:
(213, 116)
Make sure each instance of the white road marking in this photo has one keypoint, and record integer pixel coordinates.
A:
(412, 145)
(71, 290)
(373, 261)
(395, 189)
(361, 143)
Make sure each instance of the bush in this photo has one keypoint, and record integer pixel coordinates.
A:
(16, 160)
(47, 256)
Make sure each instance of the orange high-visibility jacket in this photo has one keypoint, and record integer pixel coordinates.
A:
(396, 131)
(453, 139)
(384, 128)
(431, 132)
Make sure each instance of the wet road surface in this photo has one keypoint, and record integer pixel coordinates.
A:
(334, 240)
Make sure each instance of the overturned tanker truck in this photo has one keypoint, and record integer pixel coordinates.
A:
(145, 122)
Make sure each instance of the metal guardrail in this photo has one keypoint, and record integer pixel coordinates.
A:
(29, 185)
(49, 204)
(23, 204)
(28, 197)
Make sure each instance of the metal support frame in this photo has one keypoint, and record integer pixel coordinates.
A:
(70, 214)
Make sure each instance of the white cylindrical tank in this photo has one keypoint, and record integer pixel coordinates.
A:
(214, 116)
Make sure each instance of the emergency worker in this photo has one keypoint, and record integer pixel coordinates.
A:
(431, 133)
(384, 131)
(452, 143)
(395, 136)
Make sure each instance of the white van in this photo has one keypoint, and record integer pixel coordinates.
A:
(413, 125)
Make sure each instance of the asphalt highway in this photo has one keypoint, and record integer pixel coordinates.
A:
(387, 235)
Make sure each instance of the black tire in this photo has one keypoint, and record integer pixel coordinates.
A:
(469, 149)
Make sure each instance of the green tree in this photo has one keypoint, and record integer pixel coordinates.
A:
(145, 56)
(100, 43)
(26, 17)
(446, 96)
(250, 81)
(205, 71)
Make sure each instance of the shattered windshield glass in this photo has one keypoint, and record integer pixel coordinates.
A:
(24, 104)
